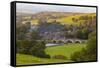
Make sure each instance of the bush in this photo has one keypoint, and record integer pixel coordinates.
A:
(44, 56)
(59, 57)
(79, 56)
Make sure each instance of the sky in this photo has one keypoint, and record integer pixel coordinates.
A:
(36, 8)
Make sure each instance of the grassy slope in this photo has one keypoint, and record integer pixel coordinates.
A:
(23, 59)
(66, 20)
(65, 50)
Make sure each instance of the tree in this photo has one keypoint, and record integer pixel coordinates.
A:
(89, 52)
(85, 32)
(79, 33)
(91, 45)
(82, 33)
(32, 36)
(21, 30)
(38, 50)
(74, 20)
(35, 48)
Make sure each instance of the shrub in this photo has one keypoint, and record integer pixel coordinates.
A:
(44, 56)
(59, 57)
(78, 56)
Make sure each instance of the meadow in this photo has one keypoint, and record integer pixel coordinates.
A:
(65, 50)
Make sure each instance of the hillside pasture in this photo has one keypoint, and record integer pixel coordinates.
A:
(65, 50)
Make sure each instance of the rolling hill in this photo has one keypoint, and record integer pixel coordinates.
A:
(62, 17)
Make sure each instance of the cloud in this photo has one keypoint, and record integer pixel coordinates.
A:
(35, 8)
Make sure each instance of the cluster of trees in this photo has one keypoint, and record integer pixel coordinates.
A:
(21, 30)
(81, 31)
(77, 32)
(35, 48)
(89, 52)
(27, 42)
(84, 31)
(87, 24)
(85, 18)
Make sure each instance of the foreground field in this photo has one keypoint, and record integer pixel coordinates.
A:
(28, 59)
(66, 50)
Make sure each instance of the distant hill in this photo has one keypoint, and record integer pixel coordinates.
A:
(62, 17)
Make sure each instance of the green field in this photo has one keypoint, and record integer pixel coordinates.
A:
(66, 20)
(28, 59)
(66, 50)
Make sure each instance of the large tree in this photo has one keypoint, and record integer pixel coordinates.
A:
(89, 52)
